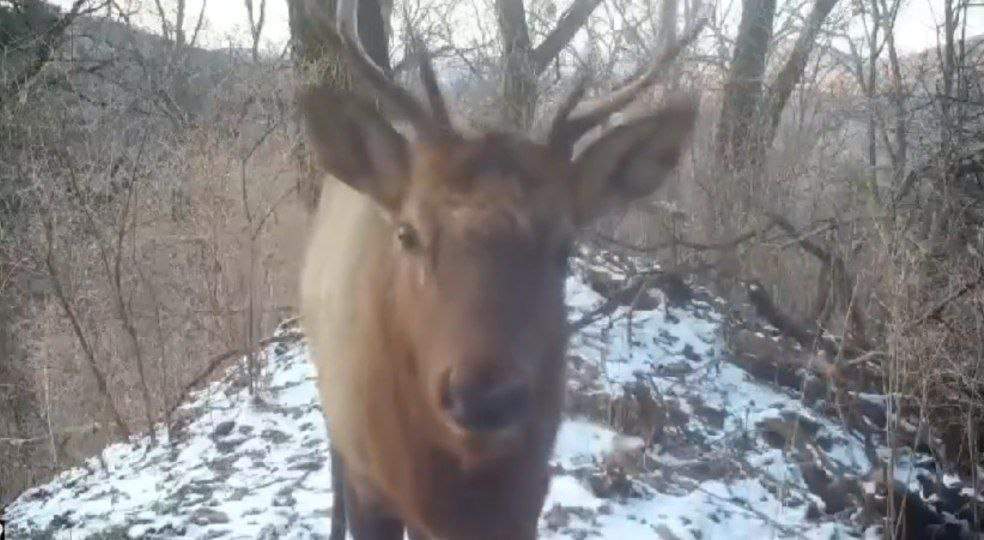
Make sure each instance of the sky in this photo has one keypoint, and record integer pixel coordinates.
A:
(227, 22)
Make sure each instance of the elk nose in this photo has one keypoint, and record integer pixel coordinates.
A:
(486, 406)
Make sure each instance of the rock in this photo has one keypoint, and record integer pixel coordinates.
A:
(269, 532)
(238, 494)
(789, 429)
(274, 436)
(228, 446)
(664, 533)
(308, 465)
(223, 428)
(223, 466)
(612, 482)
(61, 521)
(675, 369)
(208, 516)
(284, 497)
(557, 518)
(37, 494)
(813, 512)
(202, 488)
(689, 354)
(706, 469)
(711, 416)
(169, 530)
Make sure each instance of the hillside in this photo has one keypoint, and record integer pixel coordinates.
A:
(728, 455)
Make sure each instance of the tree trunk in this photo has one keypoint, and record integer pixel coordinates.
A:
(791, 74)
(318, 63)
(743, 89)
(307, 31)
(874, 51)
(900, 154)
(668, 37)
(518, 77)
(522, 64)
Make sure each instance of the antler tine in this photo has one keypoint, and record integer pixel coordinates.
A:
(574, 122)
(346, 39)
(439, 110)
(560, 127)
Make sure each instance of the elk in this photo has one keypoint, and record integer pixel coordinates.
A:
(432, 292)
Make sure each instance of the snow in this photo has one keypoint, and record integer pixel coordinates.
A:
(247, 469)
(147, 492)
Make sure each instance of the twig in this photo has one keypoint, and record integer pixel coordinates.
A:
(691, 244)
(217, 361)
(74, 430)
(934, 312)
(69, 309)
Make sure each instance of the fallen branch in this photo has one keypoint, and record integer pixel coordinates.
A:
(807, 337)
(690, 244)
(936, 309)
(216, 361)
(74, 430)
(835, 264)
(611, 303)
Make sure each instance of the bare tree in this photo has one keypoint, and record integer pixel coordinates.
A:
(522, 63)
(751, 110)
(316, 59)
(743, 88)
(166, 85)
(792, 71)
(309, 20)
(256, 22)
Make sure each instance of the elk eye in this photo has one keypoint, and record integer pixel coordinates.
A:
(407, 236)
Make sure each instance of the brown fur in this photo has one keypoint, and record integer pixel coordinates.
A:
(433, 287)
(384, 420)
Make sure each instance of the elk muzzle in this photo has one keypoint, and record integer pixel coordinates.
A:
(484, 405)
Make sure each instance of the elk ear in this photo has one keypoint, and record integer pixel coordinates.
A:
(356, 145)
(631, 161)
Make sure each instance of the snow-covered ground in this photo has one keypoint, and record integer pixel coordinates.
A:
(725, 460)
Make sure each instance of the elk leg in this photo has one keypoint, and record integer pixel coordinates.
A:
(367, 521)
(338, 492)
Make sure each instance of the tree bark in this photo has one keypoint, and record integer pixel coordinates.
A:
(667, 24)
(518, 76)
(792, 71)
(522, 63)
(318, 63)
(668, 36)
(256, 22)
(307, 19)
(743, 89)
(900, 155)
(569, 23)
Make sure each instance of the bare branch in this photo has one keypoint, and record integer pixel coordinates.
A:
(567, 129)
(69, 309)
(569, 23)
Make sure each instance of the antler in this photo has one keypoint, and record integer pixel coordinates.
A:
(573, 121)
(344, 38)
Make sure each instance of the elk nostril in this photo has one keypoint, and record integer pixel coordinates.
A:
(487, 407)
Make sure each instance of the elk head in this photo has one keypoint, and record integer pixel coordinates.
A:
(482, 228)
